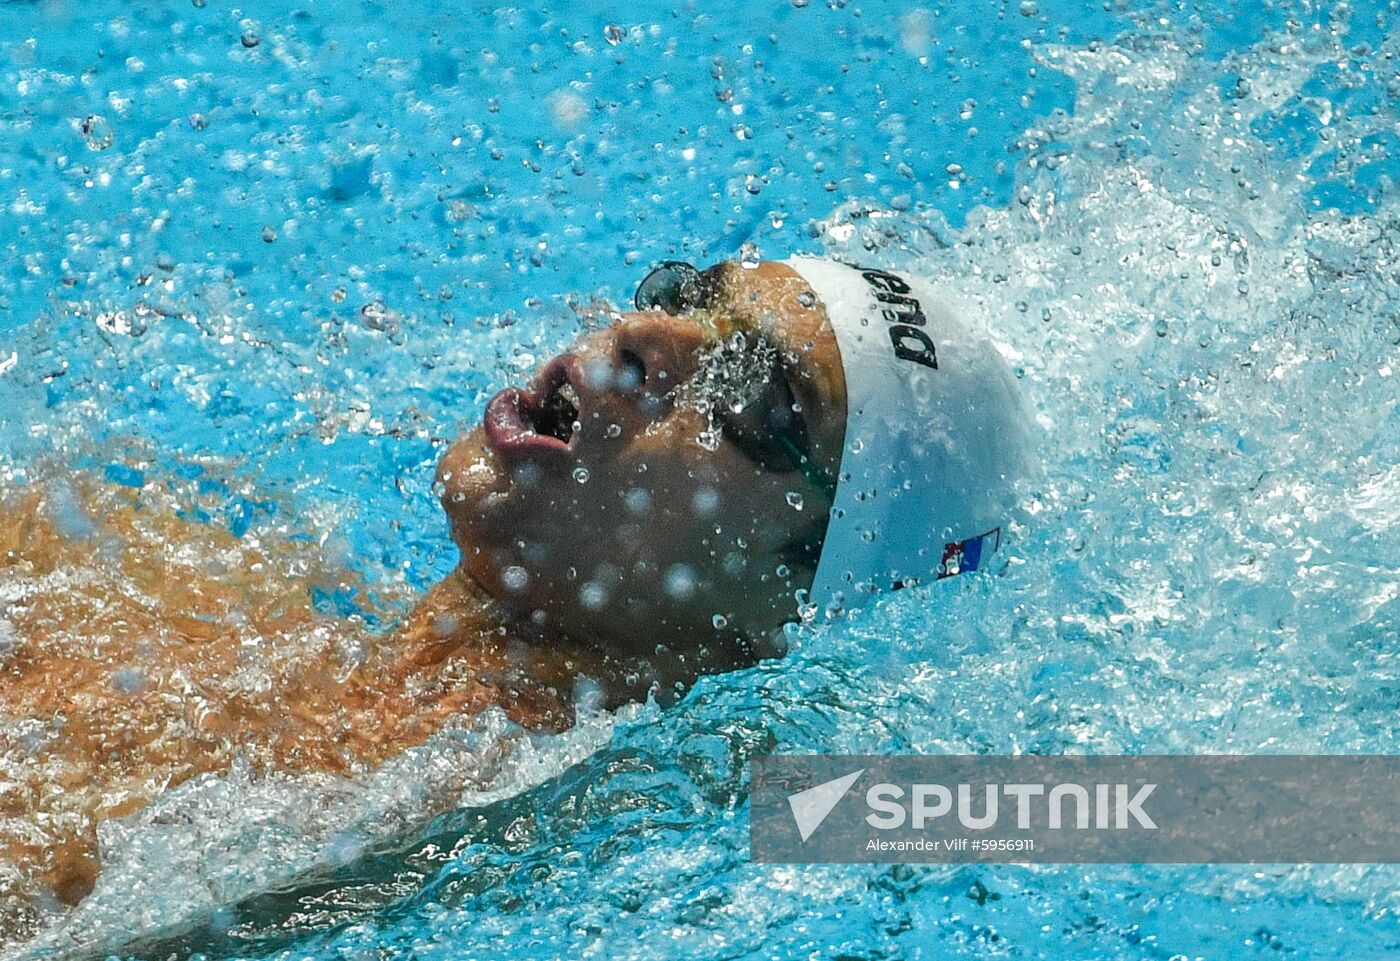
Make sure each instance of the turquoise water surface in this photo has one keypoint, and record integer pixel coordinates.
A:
(287, 252)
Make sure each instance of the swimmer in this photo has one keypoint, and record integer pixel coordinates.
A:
(753, 445)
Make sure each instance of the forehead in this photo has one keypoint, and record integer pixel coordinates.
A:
(769, 299)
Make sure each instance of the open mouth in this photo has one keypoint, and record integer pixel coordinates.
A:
(556, 411)
(520, 422)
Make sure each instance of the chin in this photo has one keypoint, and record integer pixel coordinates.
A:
(475, 485)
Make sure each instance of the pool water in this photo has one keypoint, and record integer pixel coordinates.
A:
(280, 256)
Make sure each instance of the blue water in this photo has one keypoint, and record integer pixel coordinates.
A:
(278, 258)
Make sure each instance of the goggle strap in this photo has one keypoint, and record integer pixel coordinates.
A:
(819, 479)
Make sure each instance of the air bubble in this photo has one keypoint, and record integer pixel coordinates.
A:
(514, 578)
(250, 40)
(269, 234)
(613, 430)
(614, 34)
(719, 620)
(581, 475)
(794, 500)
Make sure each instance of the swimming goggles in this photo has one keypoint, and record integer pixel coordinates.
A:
(675, 287)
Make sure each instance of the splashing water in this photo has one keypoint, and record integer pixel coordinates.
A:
(1197, 283)
(731, 375)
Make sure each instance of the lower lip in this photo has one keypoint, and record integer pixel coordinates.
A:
(507, 432)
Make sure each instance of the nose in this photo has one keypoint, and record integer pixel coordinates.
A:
(644, 353)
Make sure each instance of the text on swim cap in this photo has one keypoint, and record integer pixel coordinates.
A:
(901, 310)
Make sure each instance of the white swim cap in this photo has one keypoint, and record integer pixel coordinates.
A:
(936, 436)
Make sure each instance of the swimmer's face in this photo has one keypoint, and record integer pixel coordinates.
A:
(666, 481)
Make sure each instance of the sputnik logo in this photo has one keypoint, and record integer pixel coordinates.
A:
(810, 807)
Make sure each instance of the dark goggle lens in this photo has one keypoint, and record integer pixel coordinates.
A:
(672, 287)
(767, 430)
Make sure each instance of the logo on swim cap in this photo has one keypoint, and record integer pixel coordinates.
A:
(905, 316)
(936, 436)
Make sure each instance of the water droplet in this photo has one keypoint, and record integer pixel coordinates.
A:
(614, 34)
(719, 620)
(126, 323)
(567, 107)
(638, 500)
(269, 234)
(1029, 8)
(581, 474)
(680, 581)
(129, 680)
(783, 570)
(514, 578)
(749, 256)
(250, 39)
(376, 315)
(1161, 328)
(592, 595)
(97, 132)
(705, 502)
(794, 500)
(806, 298)
(614, 430)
